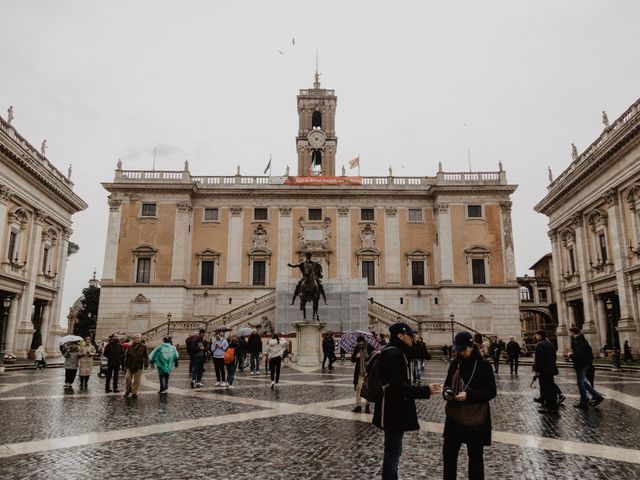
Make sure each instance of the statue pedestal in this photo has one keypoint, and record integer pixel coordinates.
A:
(309, 348)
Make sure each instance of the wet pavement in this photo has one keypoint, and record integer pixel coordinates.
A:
(302, 429)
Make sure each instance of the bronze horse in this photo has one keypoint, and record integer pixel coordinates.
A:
(309, 291)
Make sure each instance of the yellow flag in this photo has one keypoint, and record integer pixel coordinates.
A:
(354, 163)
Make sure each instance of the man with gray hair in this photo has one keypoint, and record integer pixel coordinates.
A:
(135, 360)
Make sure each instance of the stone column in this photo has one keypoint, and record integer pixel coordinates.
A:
(10, 336)
(181, 259)
(507, 243)
(617, 245)
(113, 238)
(602, 320)
(561, 331)
(571, 311)
(445, 246)
(392, 246)
(5, 196)
(234, 246)
(46, 323)
(33, 249)
(343, 241)
(285, 228)
(56, 306)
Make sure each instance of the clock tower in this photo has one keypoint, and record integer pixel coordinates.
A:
(316, 141)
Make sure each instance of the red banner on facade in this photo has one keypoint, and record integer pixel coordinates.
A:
(317, 181)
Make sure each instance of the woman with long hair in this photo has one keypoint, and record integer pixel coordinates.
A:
(469, 387)
(274, 352)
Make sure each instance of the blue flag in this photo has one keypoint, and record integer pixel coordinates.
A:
(268, 166)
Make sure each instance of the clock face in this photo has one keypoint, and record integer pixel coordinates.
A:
(316, 138)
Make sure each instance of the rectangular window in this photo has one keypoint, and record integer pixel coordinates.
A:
(572, 262)
(369, 272)
(542, 295)
(602, 243)
(45, 260)
(474, 211)
(259, 272)
(206, 278)
(367, 215)
(477, 271)
(11, 254)
(143, 274)
(415, 214)
(417, 273)
(315, 214)
(260, 213)
(211, 215)
(148, 210)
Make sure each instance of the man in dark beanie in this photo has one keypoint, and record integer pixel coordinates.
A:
(395, 412)
(546, 368)
(582, 358)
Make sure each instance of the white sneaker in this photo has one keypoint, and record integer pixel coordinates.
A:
(223, 384)
(273, 385)
(199, 385)
(227, 385)
(217, 384)
(253, 373)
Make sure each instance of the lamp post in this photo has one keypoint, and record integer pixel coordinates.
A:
(609, 305)
(451, 317)
(168, 324)
(6, 303)
(615, 357)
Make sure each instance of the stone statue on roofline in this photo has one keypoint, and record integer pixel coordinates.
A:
(10, 114)
(574, 151)
(605, 119)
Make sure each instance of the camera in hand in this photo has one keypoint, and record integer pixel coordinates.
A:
(448, 394)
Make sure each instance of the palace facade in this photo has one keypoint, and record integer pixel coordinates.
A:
(202, 247)
(593, 209)
(36, 205)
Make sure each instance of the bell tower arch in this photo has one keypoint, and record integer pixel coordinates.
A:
(316, 141)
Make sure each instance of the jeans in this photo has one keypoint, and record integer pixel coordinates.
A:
(415, 369)
(255, 362)
(274, 366)
(112, 372)
(231, 372)
(513, 363)
(218, 363)
(392, 452)
(164, 381)
(475, 452)
(197, 368)
(584, 386)
(70, 375)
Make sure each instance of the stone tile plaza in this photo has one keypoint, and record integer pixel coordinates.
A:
(202, 203)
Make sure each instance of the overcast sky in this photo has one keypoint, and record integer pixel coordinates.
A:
(418, 82)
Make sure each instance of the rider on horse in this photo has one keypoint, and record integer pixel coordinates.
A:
(316, 268)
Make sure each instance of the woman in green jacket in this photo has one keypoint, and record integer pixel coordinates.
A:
(165, 358)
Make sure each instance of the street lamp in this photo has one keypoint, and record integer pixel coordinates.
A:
(609, 305)
(168, 324)
(451, 317)
(615, 357)
(6, 303)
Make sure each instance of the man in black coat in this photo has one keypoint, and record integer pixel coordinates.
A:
(114, 354)
(360, 356)
(545, 367)
(329, 350)
(513, 354)
(254, 348)
(582, 358)
(395, 412)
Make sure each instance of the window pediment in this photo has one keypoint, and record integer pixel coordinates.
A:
(417, 253)
(479, 250)
(597, 218)
(145, 251)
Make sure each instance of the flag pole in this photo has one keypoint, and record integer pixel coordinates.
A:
(358, 164)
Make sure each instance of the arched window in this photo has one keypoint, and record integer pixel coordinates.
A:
(316, 120)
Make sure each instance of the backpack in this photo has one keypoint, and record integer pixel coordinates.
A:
(372, 388)
(229, 356)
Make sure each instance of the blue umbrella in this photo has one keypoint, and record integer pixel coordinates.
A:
(349, 340)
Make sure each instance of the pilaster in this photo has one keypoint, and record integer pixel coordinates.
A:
(113, 238)
(445, 246)
(392, 246)
(182, 242)
(507, 243)
(234, 246)
(285, 228)
(344, 249)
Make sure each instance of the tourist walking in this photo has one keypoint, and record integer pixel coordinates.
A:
(495, 350)
(241, 353)
(114, 353)
(328, 350)
(395, 412)
(135, 360)
(254, 348)
(582, 358)
(71, 352)
(468, 389)
(627, 352)
(192, 345)
(418, 355)
(274, 353)
(218, 347)
(85, 362)
(360, 356)
(513, 354)
(198, 358)
(40, 357)
(545, 367)
(231, 360)
(165, 358)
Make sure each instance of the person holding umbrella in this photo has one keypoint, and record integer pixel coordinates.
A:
(71, 354)
(360, 355)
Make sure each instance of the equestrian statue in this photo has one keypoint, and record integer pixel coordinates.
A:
(310, 287)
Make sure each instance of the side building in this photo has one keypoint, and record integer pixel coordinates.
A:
(36, 205)
(199, 247)
(594, 226)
